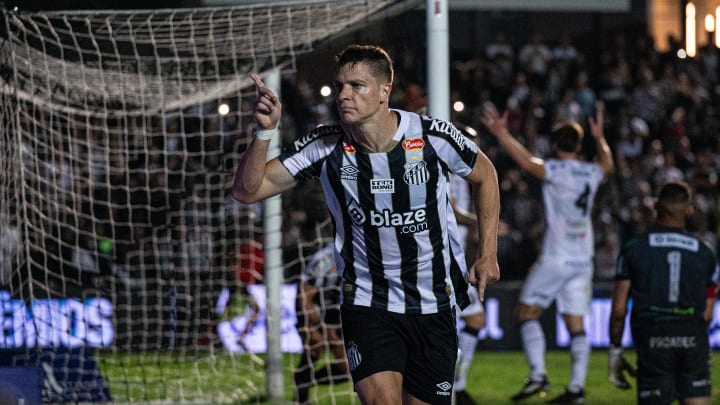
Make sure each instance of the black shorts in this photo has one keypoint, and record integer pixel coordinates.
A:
(421, 347)
(673, 361)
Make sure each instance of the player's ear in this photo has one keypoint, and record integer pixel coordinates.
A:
(385, 90)
(689, 211)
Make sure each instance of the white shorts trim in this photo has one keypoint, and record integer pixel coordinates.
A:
(475, 306)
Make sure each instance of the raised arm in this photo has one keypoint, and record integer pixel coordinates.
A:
(486, 198)
(497, 125)
(603, 149)
(256, 179)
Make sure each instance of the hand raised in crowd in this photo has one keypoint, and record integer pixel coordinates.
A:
(492, 119)
(597, 123)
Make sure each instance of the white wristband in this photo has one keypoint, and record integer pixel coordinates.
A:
(266, 134)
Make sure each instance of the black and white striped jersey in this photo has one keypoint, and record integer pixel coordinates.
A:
(390, 211)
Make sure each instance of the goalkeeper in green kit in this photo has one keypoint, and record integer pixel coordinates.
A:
(671, 277)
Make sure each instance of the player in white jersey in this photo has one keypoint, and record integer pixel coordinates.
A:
(563, 272)
(384, 176)
(473, 317)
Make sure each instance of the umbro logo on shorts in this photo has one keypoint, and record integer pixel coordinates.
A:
(445, 388)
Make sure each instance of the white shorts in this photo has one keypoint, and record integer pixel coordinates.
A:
(475, 306)
(567, 281)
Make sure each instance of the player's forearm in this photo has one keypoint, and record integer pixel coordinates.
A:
(486, 198)
(250, 171)
(709, 309)
(617, 327)
(604, 154)
(512, 146)
(520, 154)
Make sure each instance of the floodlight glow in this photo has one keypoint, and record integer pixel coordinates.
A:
(717, 31)
(690, 40)
(709, 23)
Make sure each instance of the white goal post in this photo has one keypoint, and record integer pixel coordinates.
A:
(117, 233)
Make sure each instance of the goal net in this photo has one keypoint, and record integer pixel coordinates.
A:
(127, 271)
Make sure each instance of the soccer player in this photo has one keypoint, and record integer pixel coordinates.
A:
(671, 277)
(384, 173)
(473, 317)
(564, 269)
(318, 313)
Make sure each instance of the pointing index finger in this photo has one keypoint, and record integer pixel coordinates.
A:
(482, 283)
(259, 84)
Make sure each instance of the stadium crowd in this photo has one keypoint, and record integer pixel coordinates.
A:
(662, 122)
(133, 192)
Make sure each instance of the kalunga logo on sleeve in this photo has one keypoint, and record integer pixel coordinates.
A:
(448, 128)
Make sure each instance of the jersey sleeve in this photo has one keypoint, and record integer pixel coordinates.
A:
(622, 267)
(457, 152)
(303, 158)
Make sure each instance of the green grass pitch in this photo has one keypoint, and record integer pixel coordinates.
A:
(494, 377)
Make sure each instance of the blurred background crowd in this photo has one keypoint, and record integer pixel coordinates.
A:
(145, 201)
(661, 121)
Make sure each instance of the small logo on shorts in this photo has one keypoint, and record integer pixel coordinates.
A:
(651, 393)
(353, 355)
(445, 387)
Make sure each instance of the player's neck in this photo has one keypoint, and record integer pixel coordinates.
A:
(560, 155)
(375, 135)
(670, 223)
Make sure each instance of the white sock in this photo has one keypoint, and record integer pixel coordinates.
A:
(468, 344)
(579, 356)
(533, 340)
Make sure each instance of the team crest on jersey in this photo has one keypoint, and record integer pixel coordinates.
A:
(349, 173)
(416, 173)
(382, 186)
(413, 144)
